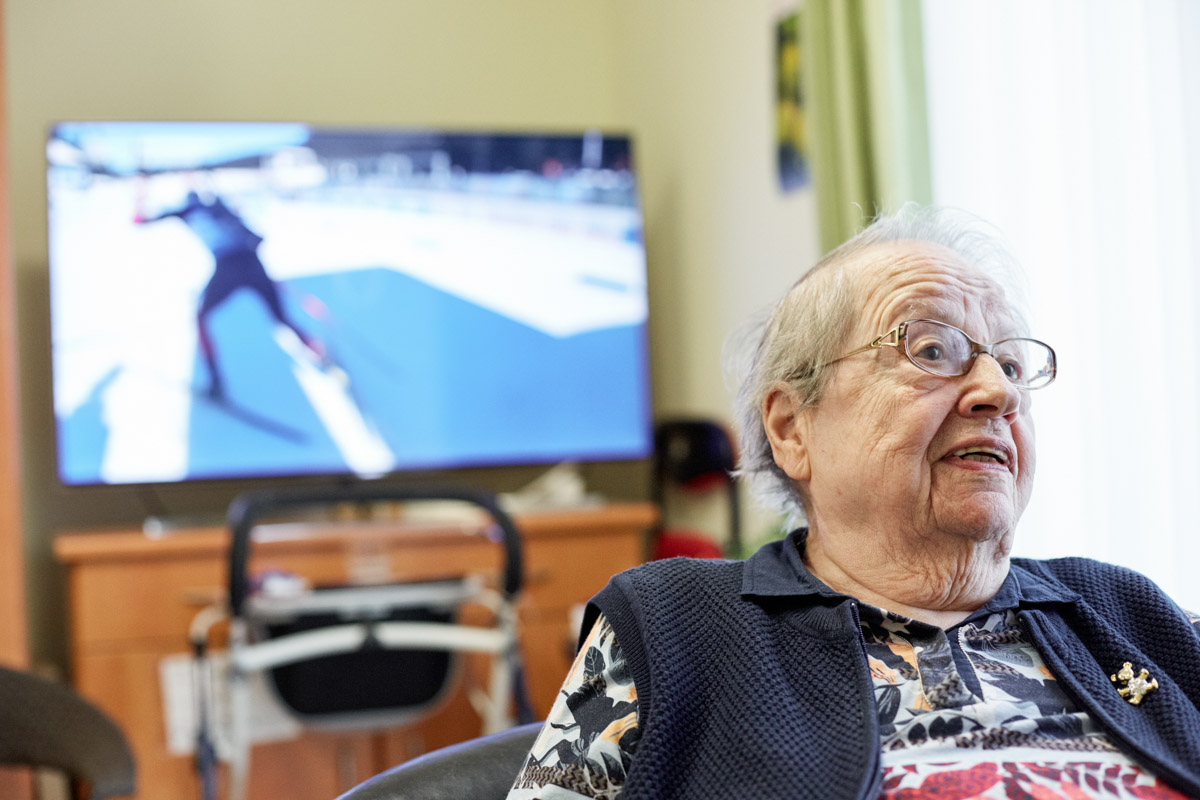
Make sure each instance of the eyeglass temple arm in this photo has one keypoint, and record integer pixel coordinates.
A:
(889, 339)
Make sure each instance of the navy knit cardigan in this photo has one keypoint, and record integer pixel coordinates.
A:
(770, 697)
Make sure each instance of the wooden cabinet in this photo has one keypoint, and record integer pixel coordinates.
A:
(132, 598)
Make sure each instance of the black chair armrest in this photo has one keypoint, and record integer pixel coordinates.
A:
(48, 724)
(478, 769)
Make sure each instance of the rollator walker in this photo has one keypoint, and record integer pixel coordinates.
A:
(354, 657)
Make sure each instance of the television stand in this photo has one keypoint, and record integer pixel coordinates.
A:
(156, 526)
(133, 596)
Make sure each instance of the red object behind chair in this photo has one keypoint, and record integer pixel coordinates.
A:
(671, 544)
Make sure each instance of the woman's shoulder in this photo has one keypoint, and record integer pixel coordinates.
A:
(681, 569)
(689, 580)
(1097, 582)
(1073, 565)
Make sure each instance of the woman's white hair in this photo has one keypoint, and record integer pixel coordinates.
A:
(794, 342)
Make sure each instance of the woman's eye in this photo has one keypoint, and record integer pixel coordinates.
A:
(1012, 369)
(930, 352)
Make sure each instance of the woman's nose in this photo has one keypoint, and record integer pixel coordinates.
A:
(987, 391)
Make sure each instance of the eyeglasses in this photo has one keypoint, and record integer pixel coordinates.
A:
(944, 350)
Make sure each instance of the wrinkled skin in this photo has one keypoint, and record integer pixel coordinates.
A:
(896, 519)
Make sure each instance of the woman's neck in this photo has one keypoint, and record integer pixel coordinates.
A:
(938, 585)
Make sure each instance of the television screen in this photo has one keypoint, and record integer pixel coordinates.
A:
(233, 300)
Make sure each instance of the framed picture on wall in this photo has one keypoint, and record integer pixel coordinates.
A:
(790, 131)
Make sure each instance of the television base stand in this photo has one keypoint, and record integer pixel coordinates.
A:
(158, 526)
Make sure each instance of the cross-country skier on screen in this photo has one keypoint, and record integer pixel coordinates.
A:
(235, 252)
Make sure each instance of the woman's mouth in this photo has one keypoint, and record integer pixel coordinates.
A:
(982, 454)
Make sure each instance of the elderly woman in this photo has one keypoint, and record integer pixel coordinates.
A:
(891, 647)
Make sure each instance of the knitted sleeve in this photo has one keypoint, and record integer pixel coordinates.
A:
(587, 743)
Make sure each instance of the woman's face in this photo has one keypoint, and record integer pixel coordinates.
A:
(885, 446)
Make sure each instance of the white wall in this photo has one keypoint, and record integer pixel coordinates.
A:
(692, 81)
(1088, 163)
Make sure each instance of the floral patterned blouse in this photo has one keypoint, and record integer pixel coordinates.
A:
(969, 712)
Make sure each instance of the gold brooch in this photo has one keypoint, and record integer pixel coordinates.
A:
(1136, 686)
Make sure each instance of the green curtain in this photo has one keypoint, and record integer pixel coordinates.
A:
(865, 88)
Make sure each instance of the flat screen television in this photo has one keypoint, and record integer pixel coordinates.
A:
(241, 300)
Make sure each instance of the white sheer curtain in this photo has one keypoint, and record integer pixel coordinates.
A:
(1074, 127)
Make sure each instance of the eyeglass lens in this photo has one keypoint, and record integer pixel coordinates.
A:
(945, 350)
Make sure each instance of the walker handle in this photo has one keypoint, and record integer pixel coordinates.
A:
(248, 507)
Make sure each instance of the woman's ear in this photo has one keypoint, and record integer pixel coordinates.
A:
(782, 420)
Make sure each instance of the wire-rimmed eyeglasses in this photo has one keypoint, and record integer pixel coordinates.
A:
(945, 350)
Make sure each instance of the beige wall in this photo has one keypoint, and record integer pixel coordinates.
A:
(692, 81)
(698, 83)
